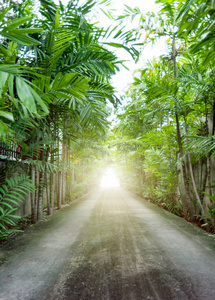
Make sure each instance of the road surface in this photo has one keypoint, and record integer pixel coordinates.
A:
(109, 245)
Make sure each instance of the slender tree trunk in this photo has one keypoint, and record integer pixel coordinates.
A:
(40, 192)
(51, 187)
(58, 179)
(209, 159)
(40, 196)
(36, 195)
(33, 193)
(49, 212)
(204, 183)
(52, 191)
(59, 190)
(63, 182)
(46, 180)
(209, 175)
(208, 154)
(62, 187)
(191, 173)
(68, 171)
(186, 185)
(187, 200)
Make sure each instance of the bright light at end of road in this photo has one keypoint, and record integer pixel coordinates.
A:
(109, 179)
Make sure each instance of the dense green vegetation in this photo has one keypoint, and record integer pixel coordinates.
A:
(55, 71)
(55, 82)
(166, 132)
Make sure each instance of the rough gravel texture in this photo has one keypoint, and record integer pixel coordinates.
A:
(110, 245)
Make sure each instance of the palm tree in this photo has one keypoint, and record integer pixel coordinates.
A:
(75, 74)
(13, 75)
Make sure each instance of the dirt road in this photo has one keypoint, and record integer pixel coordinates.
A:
(110, 245)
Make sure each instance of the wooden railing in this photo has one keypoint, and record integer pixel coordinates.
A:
(11, 151)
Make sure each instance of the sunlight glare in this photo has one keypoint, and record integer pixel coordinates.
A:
(109, 179)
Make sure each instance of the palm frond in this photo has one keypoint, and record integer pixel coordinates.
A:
(12, 192)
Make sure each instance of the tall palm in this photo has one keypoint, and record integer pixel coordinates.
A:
(76, 70)
(14, 76)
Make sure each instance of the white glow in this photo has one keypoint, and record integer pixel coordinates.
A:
(110, 179)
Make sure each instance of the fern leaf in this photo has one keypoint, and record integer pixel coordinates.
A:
(5, 188)
(2, 191)
(11, 194)
(2, 226)
(1, 210)
(18, 195)
(6, 204)
(10, 182)
(11, 200)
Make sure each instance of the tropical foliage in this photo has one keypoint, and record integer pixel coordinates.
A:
(55, 71)
(55, 82)
(166, 132)
(12, 193)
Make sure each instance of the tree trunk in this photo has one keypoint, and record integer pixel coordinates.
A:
(33, 193)
(51, 185)
(52, 192)
(40, 196)
(59, 190)
(40, 192)
(62, 187)
(209, 175)
(208, 154)
(35, 196)
(49, 211)
(187, 200)
(191, 173)
(204, 183)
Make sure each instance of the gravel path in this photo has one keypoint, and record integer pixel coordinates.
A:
(110, 245)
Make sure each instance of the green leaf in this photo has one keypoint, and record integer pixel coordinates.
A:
(16, 23)
(2, 226)
(54, 84)
(6, 115)
(40, 101)
(29, 30)
(6, 204)
(12, 201)
(29, 97)
(2, 15)
(25, 95)
(11, 88)
(20, 38)
(3, 79)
